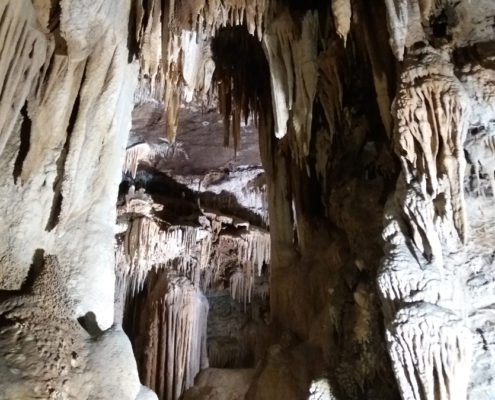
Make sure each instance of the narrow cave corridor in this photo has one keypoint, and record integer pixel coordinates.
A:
(247, 200)
(193, 249)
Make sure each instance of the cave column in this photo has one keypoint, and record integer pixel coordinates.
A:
(428, 339)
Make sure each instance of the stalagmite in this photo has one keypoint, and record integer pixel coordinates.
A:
(442, 113)
(480, 142)
(47, 354)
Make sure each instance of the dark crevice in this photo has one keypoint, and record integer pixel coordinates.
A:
(132, 42)
(57, 184)
(439, 25)
(89, 324)
(482, 53)
(25, 142)
(54, 27)
(55, 12)
(304, 5)
(4, 14)
(37, 264)
(35, 270)
(188, 202)
(48, 70)
(60, 44)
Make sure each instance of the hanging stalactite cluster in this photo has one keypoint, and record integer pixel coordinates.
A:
(238, 58)
(163, 271)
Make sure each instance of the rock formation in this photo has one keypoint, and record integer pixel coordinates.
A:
(340, 245)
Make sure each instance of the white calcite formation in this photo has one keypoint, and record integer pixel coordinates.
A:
(81, 94)
(172, 334)
(242, 183)
(162, 271)
(149, 242)
(433, 318)
(66, 97)
(293, 72)
(174, 47)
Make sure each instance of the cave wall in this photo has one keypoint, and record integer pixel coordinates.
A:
(377, 162)
(67, 70)
(376, 126)
(328, 180)
(66, 101)
(389, 143)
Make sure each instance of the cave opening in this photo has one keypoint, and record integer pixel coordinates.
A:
(193, 250)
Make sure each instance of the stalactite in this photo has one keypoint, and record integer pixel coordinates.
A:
(186, 62)
(193, 251)
(148, 244)
(342, 13)
(293, 68)
(238, 57)
(148, 37)
(197, 65)
(133, 155)
(241, 284)
(248, 252)
(404, 25)
(255, 249)
(188, 71)
(174, 314)
(213, 15)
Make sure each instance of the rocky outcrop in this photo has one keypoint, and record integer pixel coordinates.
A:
(47, 354)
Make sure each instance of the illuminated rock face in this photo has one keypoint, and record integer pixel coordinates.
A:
(66, 101)
(376, 124)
